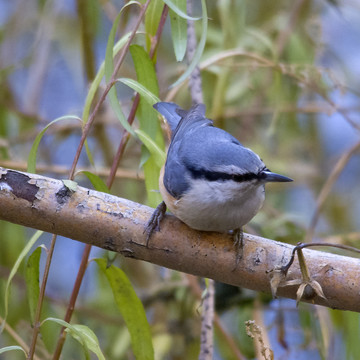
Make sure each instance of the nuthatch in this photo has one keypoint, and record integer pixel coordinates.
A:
(210, 181)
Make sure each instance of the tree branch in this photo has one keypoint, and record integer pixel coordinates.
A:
(117, 224)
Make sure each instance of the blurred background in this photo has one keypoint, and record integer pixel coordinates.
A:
(282, 77)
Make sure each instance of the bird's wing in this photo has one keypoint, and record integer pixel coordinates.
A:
(210, 149)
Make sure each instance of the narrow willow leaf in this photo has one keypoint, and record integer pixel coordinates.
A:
(14, 270)
(152, 19)
(76, 333)
(199, 50)
(32, 275)
(178, 30)
(145, 156)
(146, 76)
(131, 310)
(89, 337)
(115, 105)
(96, 181)
(178, 7)
(147, 95)
(31, 168)
(12, 348)
(109, 69)
(88, 153)
(156, 152)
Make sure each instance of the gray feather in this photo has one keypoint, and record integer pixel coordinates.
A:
(168, 110)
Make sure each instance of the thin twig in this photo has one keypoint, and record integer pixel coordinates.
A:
(207, 319)
(283, 69)
(16, 337)
(300, 246)
(288, 30)
(123, 142)
(325, 191)
(36, 329)
(72, 301)
(228, 339)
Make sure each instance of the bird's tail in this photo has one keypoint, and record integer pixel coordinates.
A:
(172, 113)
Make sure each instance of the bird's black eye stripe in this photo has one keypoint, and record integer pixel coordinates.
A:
(197, 173)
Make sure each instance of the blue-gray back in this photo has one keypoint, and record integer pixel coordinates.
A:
(198, 149)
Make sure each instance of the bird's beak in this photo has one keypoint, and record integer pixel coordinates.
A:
(273, 177)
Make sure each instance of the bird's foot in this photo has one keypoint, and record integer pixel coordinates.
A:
(238, 235)
(154, 223)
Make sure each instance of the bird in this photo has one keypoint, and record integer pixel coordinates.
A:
(210, 181)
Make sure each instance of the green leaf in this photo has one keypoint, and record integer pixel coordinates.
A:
(146, 76)
(109, 69)
(131, 310)
(199, 50)
(152, 19)
(89, 337)
(31, 168)
(72, 331)
(32, 275)
(158, 154)
(145, 69)
(179, 8)
(147, 95)
(11, 348)
(14, 270)
(96, 181)
(83, 334)
(145, 156)
(115, 105)
(178, 30)
(88, 153)
(70, 184)
(148, 119)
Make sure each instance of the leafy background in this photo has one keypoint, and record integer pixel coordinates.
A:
(280, 76)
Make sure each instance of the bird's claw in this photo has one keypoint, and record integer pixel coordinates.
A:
(154, 223)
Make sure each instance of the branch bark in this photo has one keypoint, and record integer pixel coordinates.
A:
(117, 224)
